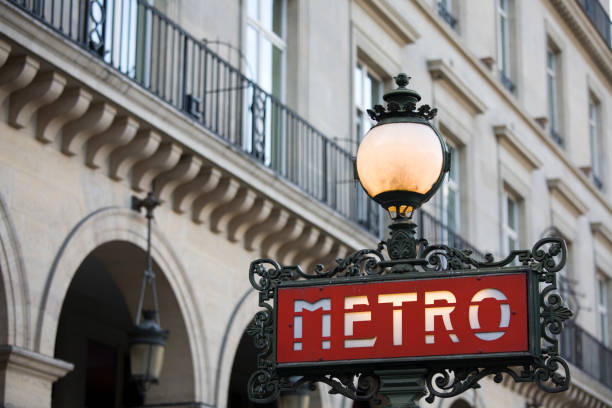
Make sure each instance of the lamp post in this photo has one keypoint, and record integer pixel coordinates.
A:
(397, 359)
(401, 163)
(147, 340)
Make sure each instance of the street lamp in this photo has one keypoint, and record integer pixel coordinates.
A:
(402, 160)
(401, 163)
(147, 340)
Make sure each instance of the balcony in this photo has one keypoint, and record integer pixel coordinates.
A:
(149, 49)
(447, 16)
(430, 228)
(185, 74)
(600, 19)
(587, 353)
(556, 137)
(507, 82)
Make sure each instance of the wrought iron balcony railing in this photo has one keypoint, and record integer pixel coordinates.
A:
(507, 82)
(554, 135)
(447, 16)
(432, 229)
(600, 19)
(138, 41)
(587, 353)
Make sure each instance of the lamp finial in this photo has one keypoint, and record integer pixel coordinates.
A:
(402, 80)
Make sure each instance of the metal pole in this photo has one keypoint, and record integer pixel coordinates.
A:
(150, 202)
(402, 388)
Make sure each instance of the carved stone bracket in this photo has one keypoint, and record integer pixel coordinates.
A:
(55, 108)
(45, 88)
(72, 104)
(96, 120)
(99, 147)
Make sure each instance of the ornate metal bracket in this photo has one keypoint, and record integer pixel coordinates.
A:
(408, 258)
(402, 102)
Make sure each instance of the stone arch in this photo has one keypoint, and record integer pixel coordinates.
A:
(14, 293)
(242, 313)
(119, 224)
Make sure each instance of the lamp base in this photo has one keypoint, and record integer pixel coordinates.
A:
(401, 388)
(403, 241)
(401, 198)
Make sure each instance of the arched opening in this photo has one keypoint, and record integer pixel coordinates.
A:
(4, 318)
(97, 314)
(14, 304)
(460, 403)
(245, 363)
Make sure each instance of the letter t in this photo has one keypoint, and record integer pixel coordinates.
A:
(397, 299)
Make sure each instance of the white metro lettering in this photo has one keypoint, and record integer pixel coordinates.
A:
(397, 299)
(299, 306)
(444, 311)
(438, 309)
(351, 317)
(504, 321)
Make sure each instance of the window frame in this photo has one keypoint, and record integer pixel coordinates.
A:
(447, 11)
(452, 184)
(361, 107)
(503, 47)
(275, 40)
(504, 44)
(595, 140)
(365, 207)
(552, 94)
(274, 143)
(507, 230)
(601, 309)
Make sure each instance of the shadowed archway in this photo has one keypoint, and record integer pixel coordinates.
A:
(97, 314)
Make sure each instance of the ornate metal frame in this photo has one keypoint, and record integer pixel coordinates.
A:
(416, 259)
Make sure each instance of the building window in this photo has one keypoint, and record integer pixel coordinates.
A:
(265, 44)
(602, 309)
(449, 199)
(445, 10)
(510, 223)
(595, 141)
(504, 44)
(368, 89)
(552, 85)
(265, 49)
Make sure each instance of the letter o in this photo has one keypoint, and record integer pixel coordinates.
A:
(504, 321)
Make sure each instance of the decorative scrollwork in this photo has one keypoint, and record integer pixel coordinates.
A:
(258, 111)
(446, 383)
(394, 109)
(548, 370)
(366, 389)
(549, 256)
(265, 385)
(547, 376)
(96, 21)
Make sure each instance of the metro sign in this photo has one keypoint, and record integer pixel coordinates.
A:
(477, 315)
(439, 322)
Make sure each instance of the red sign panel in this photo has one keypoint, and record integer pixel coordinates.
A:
(403, 319)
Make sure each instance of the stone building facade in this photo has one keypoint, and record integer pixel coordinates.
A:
(243, 116)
